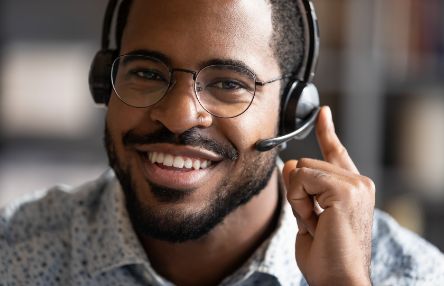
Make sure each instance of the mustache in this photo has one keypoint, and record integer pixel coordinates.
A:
(191, 137)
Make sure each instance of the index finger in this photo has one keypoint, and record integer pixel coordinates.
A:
(288, 168)
(331, 147)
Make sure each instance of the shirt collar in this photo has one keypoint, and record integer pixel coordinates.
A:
(279, 259)
(276, 255)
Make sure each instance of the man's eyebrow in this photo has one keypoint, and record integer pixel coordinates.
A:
(231, 62)
(215, 61)
(149, 53)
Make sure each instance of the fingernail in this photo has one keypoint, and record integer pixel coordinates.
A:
(330, 117)
(329, 111)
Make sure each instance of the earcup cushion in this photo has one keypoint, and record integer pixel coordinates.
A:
(100, 76)
(298, 103)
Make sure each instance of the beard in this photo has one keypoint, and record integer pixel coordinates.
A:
(169, 224)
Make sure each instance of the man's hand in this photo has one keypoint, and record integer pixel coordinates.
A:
(333, 245)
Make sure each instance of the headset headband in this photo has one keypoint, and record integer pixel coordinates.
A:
(312, 47)
(311, 33)
(107, 23)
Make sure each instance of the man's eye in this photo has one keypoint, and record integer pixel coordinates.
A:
(148, 75)
(227, 85)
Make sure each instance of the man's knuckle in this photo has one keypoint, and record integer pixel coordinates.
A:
(321, 175)
(303, 162)
(367, 184)
(304, 171)
(349, 192)
(371, 185)
(352, 188)
(338, 151)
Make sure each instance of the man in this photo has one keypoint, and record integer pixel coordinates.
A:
(192, 202)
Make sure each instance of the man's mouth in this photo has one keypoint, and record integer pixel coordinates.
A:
(178, 162)
(178, 167)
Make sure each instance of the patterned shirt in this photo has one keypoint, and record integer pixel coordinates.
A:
(83, 236)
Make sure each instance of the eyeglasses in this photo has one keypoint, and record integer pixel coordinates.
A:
(222, 90)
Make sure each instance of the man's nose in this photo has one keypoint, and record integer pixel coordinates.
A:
(179, 109)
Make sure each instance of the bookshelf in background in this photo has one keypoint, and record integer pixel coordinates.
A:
(414, 112)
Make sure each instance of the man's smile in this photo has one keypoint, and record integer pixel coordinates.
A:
(177, 162)
(177, 167)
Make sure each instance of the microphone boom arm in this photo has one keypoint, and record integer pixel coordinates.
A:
(299, 134)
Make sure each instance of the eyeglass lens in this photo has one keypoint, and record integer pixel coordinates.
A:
(222, 90)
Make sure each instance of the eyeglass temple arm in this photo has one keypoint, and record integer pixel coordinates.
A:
(262, 83)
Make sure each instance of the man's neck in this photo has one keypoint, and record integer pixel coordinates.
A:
(210, 259)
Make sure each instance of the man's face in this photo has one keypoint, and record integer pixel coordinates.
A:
(179, 204)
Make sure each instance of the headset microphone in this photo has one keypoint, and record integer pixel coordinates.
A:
(307, 110)
(300, 100)
(298, 134)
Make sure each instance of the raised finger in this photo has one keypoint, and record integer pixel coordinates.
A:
(288, 167)
(331, 147)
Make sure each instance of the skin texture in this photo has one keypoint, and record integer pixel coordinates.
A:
(335, 245)
(239, 30)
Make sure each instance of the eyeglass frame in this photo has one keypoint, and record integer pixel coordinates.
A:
(172, 81)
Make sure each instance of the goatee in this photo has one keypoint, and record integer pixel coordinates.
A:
(170, 224)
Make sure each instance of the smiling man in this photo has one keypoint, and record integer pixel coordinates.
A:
(190, 200)
(185, 161)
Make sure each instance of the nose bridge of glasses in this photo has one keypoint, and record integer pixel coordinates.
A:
(194, 73)
(173, 79)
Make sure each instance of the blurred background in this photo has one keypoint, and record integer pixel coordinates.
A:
(381, 70)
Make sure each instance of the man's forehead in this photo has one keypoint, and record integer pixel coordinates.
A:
(219, 15)
(205, 5)
(201, 27)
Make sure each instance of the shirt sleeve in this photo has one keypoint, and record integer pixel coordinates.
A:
(4, 252)
(400, 257)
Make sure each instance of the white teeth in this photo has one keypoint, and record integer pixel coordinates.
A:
(178, 162)
(153, 157)
(168, 161)
(160, 157)
(188, 163)
(196, 165)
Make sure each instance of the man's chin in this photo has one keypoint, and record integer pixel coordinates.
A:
(169, 195)
(169, 217)
(176, 216)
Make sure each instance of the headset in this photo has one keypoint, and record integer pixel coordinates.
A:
(300, 100)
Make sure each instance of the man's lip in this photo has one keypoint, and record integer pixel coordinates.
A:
(179, 179)
(179, 150)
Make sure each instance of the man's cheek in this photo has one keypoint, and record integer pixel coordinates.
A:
(257, 127)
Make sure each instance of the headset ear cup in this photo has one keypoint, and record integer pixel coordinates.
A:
(100, 76)
(289, 105)
(299, 102)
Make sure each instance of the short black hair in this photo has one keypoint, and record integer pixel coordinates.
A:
(288, 35)
(288, 32)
